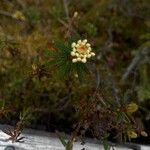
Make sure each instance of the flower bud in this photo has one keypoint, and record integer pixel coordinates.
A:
(85, 41)
(77, 45)
(74, 60)
(143, 133)
(78, 59)
(85, 56)
(77, 54)
(92, 54)
(89, 55)
(89, 48)
(75, 14)
(73, 53)
(88, 45)
(79, 42)
(83, 60)
(73, 45)
(76, 75)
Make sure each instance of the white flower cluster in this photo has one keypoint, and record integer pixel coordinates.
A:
(81, 51)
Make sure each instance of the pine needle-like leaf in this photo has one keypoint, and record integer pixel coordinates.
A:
(61, 47)
(61, 58)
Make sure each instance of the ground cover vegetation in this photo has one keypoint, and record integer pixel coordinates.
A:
(79, 67)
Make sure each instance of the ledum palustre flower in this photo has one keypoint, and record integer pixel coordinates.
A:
(81, 51)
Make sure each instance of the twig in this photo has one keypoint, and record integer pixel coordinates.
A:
(66, 8)
(65, 24)
(21, 3)
(113, 87)
(108, 47)
(62, 22)
(10, 3)
(4, 13)
(94, 70)
(129, 92)
(7, 14)
(135, 62)
(97, 78)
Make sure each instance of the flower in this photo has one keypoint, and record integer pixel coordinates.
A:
(81, 51)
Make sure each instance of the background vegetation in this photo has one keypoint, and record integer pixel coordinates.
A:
(119, 34)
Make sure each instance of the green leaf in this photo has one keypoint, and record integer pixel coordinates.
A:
(62, 139)
(65, 70)
(71, 40)
(81, 70)
(69, 145)
(106, 145)
(50, 53)
(62, 60)
(61, 47)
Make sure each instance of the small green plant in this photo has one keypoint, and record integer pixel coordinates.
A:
(67, 144)
(70, 58)
(15, 132)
